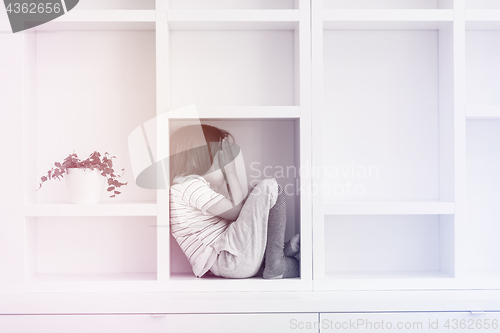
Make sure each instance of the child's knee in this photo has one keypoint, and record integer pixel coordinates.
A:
(269, 188)
(268, 185)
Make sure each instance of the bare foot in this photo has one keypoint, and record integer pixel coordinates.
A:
(282, 268)
(292, 247)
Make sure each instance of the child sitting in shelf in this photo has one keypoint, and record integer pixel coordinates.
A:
(217, 228)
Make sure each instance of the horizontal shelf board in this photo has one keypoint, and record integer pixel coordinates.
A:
(113, 209)
(380, 281)
(109, 16)
(95, 26)
(477, 19)
(187, 26)
(103, 20)
(145, 302)
(243, 112)
(95, 277)
(483, 275)
(481, 15)
(388, 208)
(482, 26)
(384, 25)
(386, 19)
(233, 19)
(390, 15)
(388, 275)
(189, 282)
(483, 112)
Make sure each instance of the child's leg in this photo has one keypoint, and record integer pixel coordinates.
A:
(242, 246)
(277, 265)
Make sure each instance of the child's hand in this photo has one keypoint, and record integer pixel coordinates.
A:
(226, 159)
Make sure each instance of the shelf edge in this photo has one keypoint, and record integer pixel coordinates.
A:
(482, 112)
(388, 15)
(130, 209)
(389, 208)
(244, 112)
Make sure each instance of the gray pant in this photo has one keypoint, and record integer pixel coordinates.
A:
(240, 250)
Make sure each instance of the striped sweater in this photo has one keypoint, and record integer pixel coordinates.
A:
(195, 229)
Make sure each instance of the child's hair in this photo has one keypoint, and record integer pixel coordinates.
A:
(189, 156)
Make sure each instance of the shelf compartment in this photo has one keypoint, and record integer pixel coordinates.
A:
(482, 112)
(395, 143)
(388, 208)
(102, 20)
(90, 248)
(233, 19)
(234, 68)
(90, 107)
(241, 112)
(389, 247)
(270, 149)
(113, 209)
(482, 69)
(483, 196)
(421, 19)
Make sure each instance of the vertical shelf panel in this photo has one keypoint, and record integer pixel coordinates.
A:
(29, 147)
(163, 88)
(318, 217)
(459, 96)
(303, 135)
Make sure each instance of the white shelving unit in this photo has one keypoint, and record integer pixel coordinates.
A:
(381, 118)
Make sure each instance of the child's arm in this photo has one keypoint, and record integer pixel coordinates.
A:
(225, 208)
